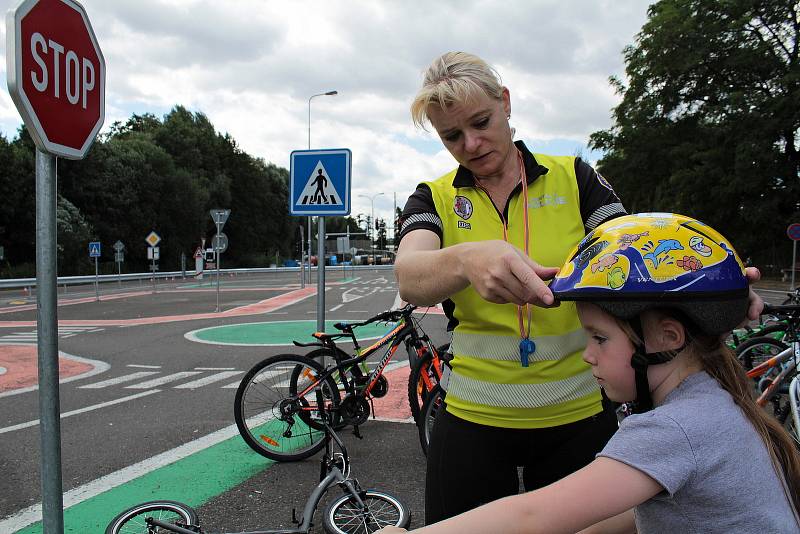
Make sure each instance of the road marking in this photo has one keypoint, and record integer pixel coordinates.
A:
(162, 380)
(118, 380)
(99, 367)
(79, 411)
(215, 368)
(143, 366)
(200, 382)
(336, 307)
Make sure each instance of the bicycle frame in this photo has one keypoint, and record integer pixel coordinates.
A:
(787, 360)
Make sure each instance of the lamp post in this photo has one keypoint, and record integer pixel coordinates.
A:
(372, 205)
(329, 93)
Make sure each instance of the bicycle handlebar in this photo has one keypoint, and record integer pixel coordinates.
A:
(389, 315)
(781, 309)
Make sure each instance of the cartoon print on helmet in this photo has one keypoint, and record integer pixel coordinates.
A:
(661, 252)
(668, 260)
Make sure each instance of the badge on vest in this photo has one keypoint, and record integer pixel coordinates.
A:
(463, 207)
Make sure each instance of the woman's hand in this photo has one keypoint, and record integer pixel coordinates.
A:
(502, 273)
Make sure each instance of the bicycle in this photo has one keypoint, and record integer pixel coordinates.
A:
(426, 371)
(275, 409)
(357, 511)
(777, 379)
(427, 417)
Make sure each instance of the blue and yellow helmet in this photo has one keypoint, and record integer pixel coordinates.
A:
(658, 260)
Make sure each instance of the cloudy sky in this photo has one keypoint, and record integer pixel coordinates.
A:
(251, 66)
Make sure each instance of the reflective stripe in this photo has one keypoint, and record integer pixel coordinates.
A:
(521, 395)
(506, 348)
(604, 212)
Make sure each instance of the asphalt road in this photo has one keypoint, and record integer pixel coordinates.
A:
(154, 391)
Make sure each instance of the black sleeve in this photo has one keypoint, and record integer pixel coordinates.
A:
(599, 202)
(420, 213)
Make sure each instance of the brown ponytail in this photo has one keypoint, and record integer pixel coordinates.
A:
(721, 363)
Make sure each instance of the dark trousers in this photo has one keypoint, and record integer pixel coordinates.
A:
(471, 464)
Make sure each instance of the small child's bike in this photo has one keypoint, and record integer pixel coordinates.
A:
(357, 511)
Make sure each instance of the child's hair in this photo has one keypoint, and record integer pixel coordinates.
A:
(721, 363)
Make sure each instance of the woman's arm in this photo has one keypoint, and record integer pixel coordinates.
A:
(499, 272)
(601, 490)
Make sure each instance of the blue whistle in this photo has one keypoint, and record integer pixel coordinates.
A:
(526, 348)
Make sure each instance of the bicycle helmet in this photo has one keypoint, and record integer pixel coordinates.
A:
(657, 261)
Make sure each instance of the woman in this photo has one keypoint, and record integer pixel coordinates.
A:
(480, 239)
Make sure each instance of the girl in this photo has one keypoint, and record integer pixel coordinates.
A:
(655, 293)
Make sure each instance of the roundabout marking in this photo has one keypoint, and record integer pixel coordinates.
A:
(275, 333)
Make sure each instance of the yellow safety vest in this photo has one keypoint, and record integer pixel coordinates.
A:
(488, 384)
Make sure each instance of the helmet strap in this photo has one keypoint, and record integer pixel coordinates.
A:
(640, 361)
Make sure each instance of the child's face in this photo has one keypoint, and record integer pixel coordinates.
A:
(609, 352)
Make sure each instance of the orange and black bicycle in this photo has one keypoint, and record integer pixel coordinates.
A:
(276, 408)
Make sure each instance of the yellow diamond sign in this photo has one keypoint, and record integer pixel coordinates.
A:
(153, 239)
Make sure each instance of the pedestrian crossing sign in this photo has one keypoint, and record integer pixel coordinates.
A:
(320, 182)
(94, 249)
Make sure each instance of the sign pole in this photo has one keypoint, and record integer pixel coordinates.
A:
(119, 273)
(47, 341)
(96, 282)
(302, 259)
(321, 274)
(794, 262)
(219, 259)
(153, 269)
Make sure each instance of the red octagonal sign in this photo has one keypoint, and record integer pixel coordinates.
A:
(56, 75)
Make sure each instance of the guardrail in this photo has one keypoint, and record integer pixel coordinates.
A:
(12, 283)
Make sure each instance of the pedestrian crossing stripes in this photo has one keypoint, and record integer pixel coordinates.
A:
(31, 336)
(131, 380)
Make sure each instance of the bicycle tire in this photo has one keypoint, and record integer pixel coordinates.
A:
(342, 515)
(132, 520)
(269, 386)
(427, 417)
(417, 390)
(759, 349)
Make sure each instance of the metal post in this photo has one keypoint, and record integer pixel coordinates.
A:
(794, 262)
(309, 247)
(302, 259)
(119, 273)
(47, 341)
(153, 268)
(219, 260)
(96, 282)
(321, 275)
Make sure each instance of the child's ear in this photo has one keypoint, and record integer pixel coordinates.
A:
(672, 334)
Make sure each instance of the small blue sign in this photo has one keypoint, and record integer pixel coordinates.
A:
(94, 249)
(320, 182)
(793, 231)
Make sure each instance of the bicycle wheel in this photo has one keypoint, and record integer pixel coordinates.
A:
(343, 516)
(132, 520)
(427, 416)
(270, 416)
(422, 378)
(758, 350)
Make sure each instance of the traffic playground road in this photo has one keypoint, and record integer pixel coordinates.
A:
(153, 418)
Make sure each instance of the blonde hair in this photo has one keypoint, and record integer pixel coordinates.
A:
(454, 77)
(721, 363)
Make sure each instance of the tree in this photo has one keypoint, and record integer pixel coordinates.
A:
(709, 121)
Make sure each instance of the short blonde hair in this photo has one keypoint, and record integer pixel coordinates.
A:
(454, 77)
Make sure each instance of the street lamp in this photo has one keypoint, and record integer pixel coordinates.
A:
(329, 93)
(372, 204)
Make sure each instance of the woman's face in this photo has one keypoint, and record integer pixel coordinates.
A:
(476, 133)
(609, 352)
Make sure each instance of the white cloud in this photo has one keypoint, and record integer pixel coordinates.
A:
(250, 66)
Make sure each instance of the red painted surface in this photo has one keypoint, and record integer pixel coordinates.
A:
(22, 369)
(395, 404)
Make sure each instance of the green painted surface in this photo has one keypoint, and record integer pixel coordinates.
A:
(193, 480)
(280, 332)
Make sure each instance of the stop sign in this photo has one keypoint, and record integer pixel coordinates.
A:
(56, 75)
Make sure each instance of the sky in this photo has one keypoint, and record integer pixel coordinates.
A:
(251, 65)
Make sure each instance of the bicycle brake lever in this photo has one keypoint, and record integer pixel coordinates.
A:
(356, 432)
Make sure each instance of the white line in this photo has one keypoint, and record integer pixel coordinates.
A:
(99, 367)
(91, 489)
(118, 380)
(163, 380)
(80, 411)
(233, 385)
(336, 307)
(143, 366)
(214, 368)
(200, 382)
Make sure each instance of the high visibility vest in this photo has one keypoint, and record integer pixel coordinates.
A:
(488, 384)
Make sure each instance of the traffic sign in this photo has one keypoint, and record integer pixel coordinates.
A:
(219, 216)
(793, 231)
(119, 257)
(198, 253)
(56, 75)
(219, 242)
(152, 253)
(118, 246)
(94, 249)
(153, 239)
(320, 182)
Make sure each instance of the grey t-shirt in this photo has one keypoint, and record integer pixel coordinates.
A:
(713, 465)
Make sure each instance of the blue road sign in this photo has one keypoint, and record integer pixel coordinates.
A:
(320, 182)
(94, 249)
